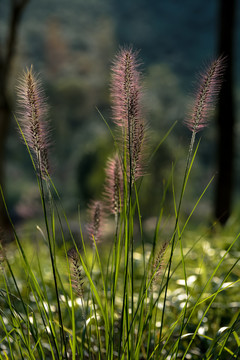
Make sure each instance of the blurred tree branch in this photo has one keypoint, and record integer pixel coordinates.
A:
(7, 52)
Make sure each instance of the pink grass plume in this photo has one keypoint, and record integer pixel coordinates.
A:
(210, 82)
(125, 88)
(76, 272)
(33, 116)
(126, 91)
(113, 192)
(95, 225)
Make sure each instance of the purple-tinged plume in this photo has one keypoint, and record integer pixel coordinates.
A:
(126, 93)
(210, 83)
(76, 272)
(159, 262)
(33, 112)
(94, 227)
(114, 185)
(125, 87)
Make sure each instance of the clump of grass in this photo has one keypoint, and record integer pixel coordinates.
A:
(127, 307)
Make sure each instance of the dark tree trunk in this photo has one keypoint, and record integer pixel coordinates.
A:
(225, 116)
(6, 56)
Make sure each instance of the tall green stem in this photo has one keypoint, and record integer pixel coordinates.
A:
(175, 228)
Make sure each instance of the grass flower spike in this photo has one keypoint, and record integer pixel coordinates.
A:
(209, 87)
(114, 185)
(76, 272)
(126, 96)
(94, 228)
(158, 264)
(33, 113)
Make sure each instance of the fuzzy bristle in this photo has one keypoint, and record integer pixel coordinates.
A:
(33, 113)
(210, 83)
(126, 93)
(125, 88)
(114, 185)
(94, 227)
(76, 272)
(158, 264)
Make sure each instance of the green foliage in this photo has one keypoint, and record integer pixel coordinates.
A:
(156, 289)
(203, 249)
(91, 170)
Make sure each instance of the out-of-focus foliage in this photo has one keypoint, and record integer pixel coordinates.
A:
(72, 45)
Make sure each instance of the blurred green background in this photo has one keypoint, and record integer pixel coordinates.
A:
(72, 44)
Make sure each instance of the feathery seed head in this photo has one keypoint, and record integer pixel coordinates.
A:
(94, 228)
(76, 272)
(125, 88)
(210, 83)
(158, 264)
(114, 185)
(33, 112)
(126, 94)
